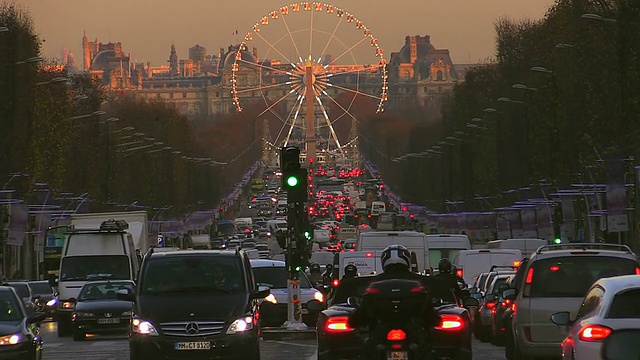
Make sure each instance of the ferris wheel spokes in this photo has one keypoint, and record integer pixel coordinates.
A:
(333, 35)
(299, 101)
(295, 46)
(264, 87)
(356, 92)
(348, 50)
(326, 118)
(271, 46)
(262, 66)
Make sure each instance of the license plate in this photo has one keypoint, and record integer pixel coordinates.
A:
(397, 355)
(196, 345)
(109, 321)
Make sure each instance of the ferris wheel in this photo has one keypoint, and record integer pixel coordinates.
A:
(319, 61)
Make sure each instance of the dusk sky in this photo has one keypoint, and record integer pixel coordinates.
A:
(147, 28)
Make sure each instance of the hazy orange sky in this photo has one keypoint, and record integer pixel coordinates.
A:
(147, 28)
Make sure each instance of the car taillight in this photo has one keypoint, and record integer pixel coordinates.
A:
(396, 335)
(529, 278)
(459, 272)
(335, 282)
(594, 333)
(513, 307)
(505, 303)
(338, 324)
(450, 322)
(490, 305)
(637, 271)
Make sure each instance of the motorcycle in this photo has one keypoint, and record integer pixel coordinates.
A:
(622, 345)
(394, 310)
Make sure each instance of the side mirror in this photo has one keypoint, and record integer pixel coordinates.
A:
(622, 345)
(354, 301)
(125, 295)
(263, 292)
(562, 318)
(470, 302)
(35, 318)
(314, 306)
(510, 294)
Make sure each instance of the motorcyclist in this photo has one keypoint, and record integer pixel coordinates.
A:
(445, 282)
(350, 271)
(315, 276)
(396, 262)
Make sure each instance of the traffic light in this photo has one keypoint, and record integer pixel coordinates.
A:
(294, 178)
(557, 240)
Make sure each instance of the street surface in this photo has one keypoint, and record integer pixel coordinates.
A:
(117, 348)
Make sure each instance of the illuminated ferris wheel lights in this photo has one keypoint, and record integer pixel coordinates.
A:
(324, 93)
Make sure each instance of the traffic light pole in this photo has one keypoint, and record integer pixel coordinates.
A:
(296, 249)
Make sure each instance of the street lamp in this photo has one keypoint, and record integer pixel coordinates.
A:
(541, 69)
(597, 17)
(523, 87)
(490, 110)
(564, 46)
(55, 80)
(3, 29)
(80, 97)
(507, 100)
(31, 60)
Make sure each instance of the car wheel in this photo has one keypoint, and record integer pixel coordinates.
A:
(79, 335)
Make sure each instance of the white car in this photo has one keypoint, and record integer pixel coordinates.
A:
(274, 308)
(610, 304)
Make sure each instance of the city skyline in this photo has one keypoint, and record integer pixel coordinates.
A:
(142, 27)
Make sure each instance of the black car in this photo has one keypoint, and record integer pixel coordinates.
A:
(195, 304)
(98, 311)
(19, 333)
(24, 292)
(336, 340)
(47, 297)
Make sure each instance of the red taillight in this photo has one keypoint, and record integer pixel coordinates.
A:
(513, 307)
(506, 303)
(418, 289)
(335, 282)
(371, 290)
(450, 322)
(554, 268)
(459, 272)
(490, 305)
(594, 333)
(369, 254)
(529, 278)
(396, 335)
(338, 324)
(637, 271)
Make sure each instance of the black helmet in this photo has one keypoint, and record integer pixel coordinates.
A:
(396, 255)
(350, 270)
(445, 266)
(314, 268)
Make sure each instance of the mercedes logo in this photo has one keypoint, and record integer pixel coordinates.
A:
(108, 315)
(192, 328)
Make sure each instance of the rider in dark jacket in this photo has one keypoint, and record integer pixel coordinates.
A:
(445, 282)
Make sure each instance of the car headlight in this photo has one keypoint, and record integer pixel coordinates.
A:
(272, 299)
(143, 327)
(240, 325)
(318, 296)
(52, 302)
(11, 339)
(68, 305)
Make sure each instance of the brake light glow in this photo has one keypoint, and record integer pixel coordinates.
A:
(513, 307)
(637, 271)
(459, 273)
(450, 322)
(517, 263)
(554, 268)
(529, 278)
(338, 324)
(396, 335)
(369, 254)
(490, 305)
(594, 333)
(371, 290)
(418, 289)
(335, 282)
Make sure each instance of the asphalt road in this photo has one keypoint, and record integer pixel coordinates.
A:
(117, 348)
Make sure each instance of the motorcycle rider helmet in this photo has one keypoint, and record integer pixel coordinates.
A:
(445, 266)
(314, 268)
(396, 255)
(350, 271)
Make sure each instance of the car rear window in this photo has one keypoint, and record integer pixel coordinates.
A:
(571, 276)
(625, 305)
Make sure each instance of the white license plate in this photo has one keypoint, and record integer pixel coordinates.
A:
(109, 321)
(195, 345)
(397, 355)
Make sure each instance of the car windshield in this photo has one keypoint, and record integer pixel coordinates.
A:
(177, 274)
(21, 289)
(571, 276)
(115, 267)
(10, 309)
(625, 305)
(275, 277)
(103, 290)
(41, 288)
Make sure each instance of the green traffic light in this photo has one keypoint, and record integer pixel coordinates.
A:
(292, 181)
(298, 268)
(557, 241)
(307, 235)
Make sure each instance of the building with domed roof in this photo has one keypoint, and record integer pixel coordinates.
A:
(420, 75)
(109, 63)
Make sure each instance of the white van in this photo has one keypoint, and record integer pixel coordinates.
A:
(275, 225)
(414, 241)
(471, 263)
(526, 246)
(378, 207)
(245, 221)
(446, 246)
(367, 262)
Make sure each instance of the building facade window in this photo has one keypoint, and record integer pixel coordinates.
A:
(184, 95)
(170, 95)
(197, 108)
(439, 76)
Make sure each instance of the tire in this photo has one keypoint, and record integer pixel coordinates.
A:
(79, 335)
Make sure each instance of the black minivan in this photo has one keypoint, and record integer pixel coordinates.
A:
(195, 304)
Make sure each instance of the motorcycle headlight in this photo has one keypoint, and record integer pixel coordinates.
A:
(272, 299)
(318, 296)
(240, 325)
(143, 327)
(11, 339)
(52, 302)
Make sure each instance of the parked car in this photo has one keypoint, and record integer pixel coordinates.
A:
(19, 331)
(46, 297)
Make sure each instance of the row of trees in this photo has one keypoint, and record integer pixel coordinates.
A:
(76, 137)
(562, 94)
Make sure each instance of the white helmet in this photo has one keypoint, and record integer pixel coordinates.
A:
(396, 254)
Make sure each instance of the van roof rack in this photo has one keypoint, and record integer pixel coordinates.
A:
(584, 246)
(112, 224)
